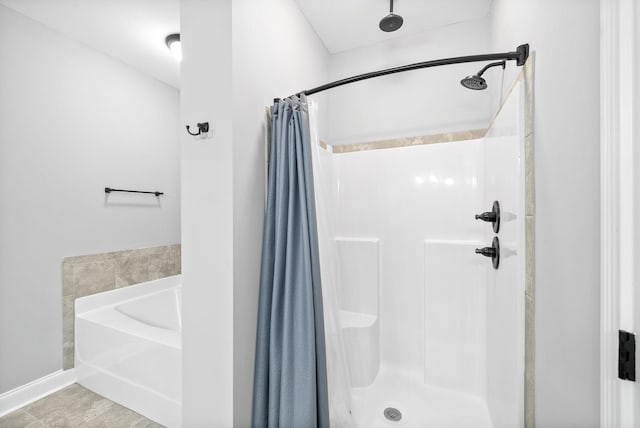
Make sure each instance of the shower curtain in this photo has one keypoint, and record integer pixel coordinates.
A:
(325, 189)
(290, 380)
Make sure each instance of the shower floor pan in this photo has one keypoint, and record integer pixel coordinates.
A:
(421, 406)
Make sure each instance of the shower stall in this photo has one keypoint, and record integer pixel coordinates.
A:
(424, 251)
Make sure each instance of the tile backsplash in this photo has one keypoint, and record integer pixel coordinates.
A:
(95, 273)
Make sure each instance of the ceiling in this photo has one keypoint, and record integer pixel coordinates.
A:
(349, 24)
(132, 31)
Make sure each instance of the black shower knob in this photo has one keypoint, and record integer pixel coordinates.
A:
(492, 216)
(493, 252)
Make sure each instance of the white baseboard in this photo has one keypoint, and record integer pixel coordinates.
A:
(32, 391)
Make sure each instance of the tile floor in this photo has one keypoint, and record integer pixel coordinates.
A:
(75, 406)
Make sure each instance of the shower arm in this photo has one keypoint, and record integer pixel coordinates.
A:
(493, 64)
(520, 55)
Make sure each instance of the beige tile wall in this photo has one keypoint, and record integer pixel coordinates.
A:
(94, 273)
(530, 200)
(447, 137)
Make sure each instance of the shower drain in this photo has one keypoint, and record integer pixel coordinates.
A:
(392, 414)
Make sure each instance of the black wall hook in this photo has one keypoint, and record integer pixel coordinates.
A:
(203, 128)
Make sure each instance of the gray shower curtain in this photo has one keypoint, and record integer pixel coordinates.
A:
(290, 379)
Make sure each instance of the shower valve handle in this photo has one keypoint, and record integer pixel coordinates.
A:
(486, 251)
(489, 216)
(492, 216)
(492, 252)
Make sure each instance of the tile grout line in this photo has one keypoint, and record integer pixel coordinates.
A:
(37, 419)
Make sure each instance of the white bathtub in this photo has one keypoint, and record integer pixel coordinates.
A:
(128, 347)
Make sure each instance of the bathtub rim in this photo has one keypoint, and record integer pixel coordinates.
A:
(120, 295)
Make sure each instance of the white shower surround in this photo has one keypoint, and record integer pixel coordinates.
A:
(129, 347)
(432, 328)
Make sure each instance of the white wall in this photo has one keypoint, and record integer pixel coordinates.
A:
(72, 121)
(414, 199)
(279, 56)
(414, 103)
(565, 38)
(207, 215)
(223, 187)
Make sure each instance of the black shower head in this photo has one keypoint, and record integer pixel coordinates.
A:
(476, 81)
(391, 22)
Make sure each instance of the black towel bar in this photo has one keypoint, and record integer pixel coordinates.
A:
(109, 190)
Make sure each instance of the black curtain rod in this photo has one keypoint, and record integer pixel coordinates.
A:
(520, 55)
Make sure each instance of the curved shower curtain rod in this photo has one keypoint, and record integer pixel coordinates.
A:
(520, 55)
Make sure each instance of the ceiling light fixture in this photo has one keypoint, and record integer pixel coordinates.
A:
(173, 43)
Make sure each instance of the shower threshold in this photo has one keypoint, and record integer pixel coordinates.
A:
(420, 405)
